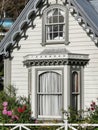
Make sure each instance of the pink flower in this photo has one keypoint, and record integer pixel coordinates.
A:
(92, 108)
(4, 112)
(15, 117)
(5, 108)
(94, 103)
(36, 121)
(5, 104)
(9, 113)
(91, 105)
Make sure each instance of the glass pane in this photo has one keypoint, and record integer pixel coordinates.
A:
(55, 12)
(50, 105)
(61, 35)
(55, 32)
(61, 19)
(49, 36)
(49, 29)
(55, 19)
(49, 32)
(55, 35)
(50, 20)
(61, 13)
(75, 102)
(61, 27)
(50, 16)
(75, 90)
(75, 82)
(55, 28)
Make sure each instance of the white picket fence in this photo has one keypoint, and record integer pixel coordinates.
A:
(26, 126)
(60, 126)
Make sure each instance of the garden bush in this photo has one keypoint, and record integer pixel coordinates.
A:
(14, 109)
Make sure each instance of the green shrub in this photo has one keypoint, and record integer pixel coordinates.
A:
(14, 109)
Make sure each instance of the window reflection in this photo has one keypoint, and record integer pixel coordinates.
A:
(55, 25)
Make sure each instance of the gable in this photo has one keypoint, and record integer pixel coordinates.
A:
(83, 12)
(20, 26)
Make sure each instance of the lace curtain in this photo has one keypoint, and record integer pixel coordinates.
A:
(50, 94)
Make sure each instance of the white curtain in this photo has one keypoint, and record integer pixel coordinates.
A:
(50, 94)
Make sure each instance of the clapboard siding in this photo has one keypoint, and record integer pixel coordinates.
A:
(79, 43)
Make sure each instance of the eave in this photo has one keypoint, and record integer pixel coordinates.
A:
(18, 30)
(56, 59)
(86, 16)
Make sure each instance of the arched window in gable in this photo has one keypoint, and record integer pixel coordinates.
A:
(55, 25)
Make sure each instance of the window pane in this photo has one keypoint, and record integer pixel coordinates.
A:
(75, 102)
(55, 27)
(55, 12)
(55, 35)
(49, 29)
(50, 20)
(50, 105)
(61, 19)
(49, 32)
(75, 90)
(50, 16)
(55, 19)
(75, 82)
(61, 35)
(61, 28)
(61, 13)
(49, 36)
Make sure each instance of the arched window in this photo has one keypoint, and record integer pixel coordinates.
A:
(75, 80)
(54, 24)
(75, 91)
(49, 95)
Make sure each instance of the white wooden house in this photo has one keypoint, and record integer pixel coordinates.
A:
(51, 54)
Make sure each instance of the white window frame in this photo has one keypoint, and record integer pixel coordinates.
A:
(44, 24)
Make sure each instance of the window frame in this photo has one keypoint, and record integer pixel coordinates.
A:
(79, 94)
(56, 70)
(76, 94)
(44, 19)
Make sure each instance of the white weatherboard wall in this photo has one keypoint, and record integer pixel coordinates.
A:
(79, 43)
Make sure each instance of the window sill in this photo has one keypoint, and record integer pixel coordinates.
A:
(75, 93)
(49, 117)
(53, 42)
